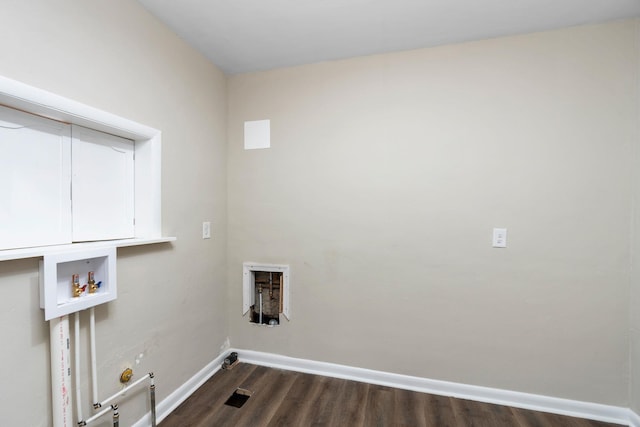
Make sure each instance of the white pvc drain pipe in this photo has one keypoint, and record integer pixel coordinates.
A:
(61, 388)
(62, 400)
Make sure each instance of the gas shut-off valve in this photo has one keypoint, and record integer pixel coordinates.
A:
(126, 375)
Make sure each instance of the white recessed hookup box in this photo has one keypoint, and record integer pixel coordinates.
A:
(57, 289)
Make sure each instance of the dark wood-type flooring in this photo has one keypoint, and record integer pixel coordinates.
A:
(285, 398)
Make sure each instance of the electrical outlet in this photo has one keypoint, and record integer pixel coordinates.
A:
(206, 230)
(499, 237)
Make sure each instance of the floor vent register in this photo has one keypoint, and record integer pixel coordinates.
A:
(238, 398)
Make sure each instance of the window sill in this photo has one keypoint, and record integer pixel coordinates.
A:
(10, 254)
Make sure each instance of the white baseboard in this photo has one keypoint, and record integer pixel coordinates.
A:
(574, 408)
(593, 411)
(171, 402)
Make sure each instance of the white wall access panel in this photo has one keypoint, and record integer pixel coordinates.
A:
(103, 186)
(257, 134)
(248, 281)
(35, 205)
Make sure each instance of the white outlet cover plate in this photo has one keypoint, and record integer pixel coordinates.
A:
(499, 237)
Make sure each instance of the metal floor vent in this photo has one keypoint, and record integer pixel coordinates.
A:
(238, 398)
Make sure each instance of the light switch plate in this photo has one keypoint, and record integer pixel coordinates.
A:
(206, 230)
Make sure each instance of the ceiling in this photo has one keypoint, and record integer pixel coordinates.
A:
(250, 35)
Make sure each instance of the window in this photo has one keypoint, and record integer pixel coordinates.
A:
(62, 183)
(66, 112)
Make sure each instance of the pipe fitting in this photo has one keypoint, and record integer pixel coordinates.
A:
(126, 375)
(116, 416)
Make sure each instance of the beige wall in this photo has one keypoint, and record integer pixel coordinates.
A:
(634, 301)
(634, 395)
(634, 392)
(385, 178)
(171, 305)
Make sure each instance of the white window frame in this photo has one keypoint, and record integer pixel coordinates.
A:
(148, 225)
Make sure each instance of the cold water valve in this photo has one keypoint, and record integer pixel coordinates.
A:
(93, 286)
